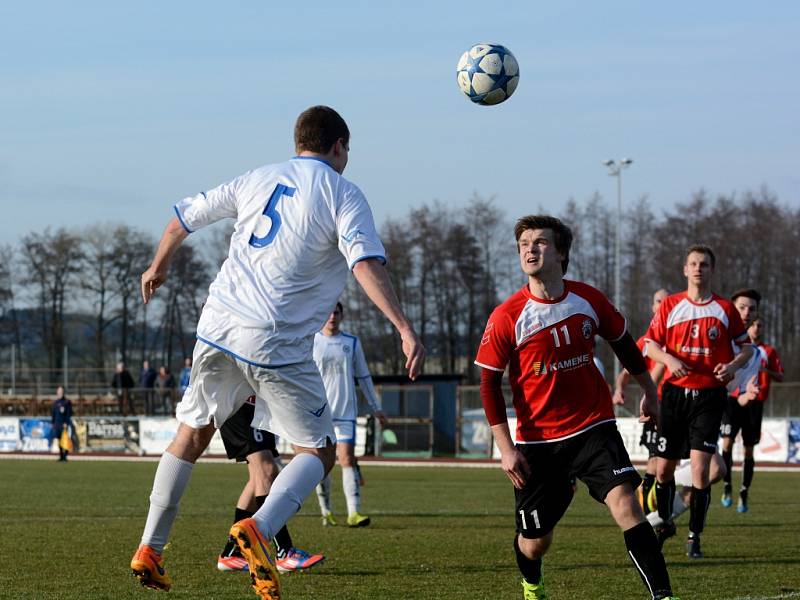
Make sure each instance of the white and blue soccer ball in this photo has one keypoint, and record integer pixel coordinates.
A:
(487, 74)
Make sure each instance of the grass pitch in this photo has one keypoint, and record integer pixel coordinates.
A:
(68, 531)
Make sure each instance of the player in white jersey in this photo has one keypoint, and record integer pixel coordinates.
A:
(341, 362)
(743, 410)
(299, 227)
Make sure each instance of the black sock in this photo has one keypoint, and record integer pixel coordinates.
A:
(747, 476)
(282, 539)
(531, 569)
(231, 545)
(647, 484)
(698, 507)
(241, 513)
(665, 497)
(647, 558)
(727, 458)
(283, 542)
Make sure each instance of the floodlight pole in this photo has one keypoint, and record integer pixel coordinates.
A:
(615, 170)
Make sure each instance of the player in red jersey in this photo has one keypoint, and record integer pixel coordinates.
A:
(744, 413)
(544, 334)
(692, 335)
(649, 435)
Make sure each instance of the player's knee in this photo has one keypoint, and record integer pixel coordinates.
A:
(534, 548)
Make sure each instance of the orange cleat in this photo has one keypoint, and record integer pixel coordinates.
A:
(261, 564)
(148, 567)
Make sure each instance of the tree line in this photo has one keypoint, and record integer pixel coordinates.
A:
(450, 266)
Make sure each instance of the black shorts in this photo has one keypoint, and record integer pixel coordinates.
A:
(241, 439)
(689, 420)
(649, 438)
(745, 418)
(597, 457)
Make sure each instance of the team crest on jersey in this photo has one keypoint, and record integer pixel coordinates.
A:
(487, 334)
(586, 328)
(713, 333)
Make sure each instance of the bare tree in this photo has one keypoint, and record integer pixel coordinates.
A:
(98, 281)
(53, 259)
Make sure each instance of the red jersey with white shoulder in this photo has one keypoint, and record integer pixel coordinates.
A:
(773, 363)
(698, 334)
(548, 346)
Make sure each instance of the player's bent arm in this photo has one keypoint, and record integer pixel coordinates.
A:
(374, 280)
(631, 358)
(675, 365)
(156, 274)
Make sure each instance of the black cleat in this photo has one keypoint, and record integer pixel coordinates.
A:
(665, 531)
(693, 547)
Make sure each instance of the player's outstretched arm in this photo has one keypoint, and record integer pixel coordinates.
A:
(631, 358)
(619, 387)
(374, 280)
(156, 274)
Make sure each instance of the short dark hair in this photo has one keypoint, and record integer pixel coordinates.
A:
(561, 233)
(317, 129)
(702, 249)
(340, 306)
(746, 293)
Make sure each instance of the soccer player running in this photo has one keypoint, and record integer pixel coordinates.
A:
(565, 420)
(341, 362)
(258, 449)
(692, 335)
(300, 226)
(649, 435)
(743, 410)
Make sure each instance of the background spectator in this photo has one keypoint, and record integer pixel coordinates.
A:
(122, 383)
(147, 381)
(186, 374)
(165, 383)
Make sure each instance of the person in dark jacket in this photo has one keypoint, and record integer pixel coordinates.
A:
(61, 418)
(122, 383)
(165, 384)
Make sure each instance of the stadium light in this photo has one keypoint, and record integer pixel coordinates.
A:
(615, 170)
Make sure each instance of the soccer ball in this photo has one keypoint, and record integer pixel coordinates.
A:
(487, 74)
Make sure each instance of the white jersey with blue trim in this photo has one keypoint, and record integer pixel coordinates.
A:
(340, 360)
(750, 369)
(299, 226)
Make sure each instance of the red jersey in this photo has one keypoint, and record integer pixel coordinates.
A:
(642, 342)
(548, 346)
(773, 363)
(699, 334)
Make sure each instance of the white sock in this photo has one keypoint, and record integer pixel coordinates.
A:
(683, 475)
(351, 491)
(286, 495)
(678, 506)
(170, 481)
(324, 495)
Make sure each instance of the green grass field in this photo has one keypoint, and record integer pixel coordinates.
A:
(68, 531)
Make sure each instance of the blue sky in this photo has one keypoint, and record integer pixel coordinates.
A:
(111, 111)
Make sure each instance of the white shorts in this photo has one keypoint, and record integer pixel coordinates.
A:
(345, 430)
(290, 400)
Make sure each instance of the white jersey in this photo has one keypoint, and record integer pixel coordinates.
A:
(283, 274)
(340, 360)
(748, 371)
